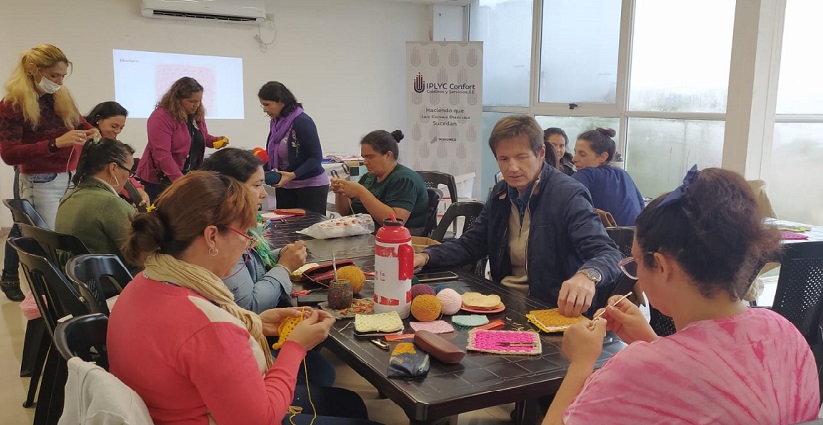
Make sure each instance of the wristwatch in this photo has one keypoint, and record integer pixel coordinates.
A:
(53, 145)
(592, 274)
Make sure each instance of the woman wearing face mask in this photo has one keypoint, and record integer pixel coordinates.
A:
(294, 150)
(92, 211)
(42, 133)
(178, 137)
(612, 188)
(110, 119)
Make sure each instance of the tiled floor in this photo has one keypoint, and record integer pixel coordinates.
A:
(13, 388)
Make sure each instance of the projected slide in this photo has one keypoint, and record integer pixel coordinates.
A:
(141, 79)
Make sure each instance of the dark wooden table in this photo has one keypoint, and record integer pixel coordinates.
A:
(481, 380)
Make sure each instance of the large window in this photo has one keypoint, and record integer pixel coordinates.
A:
(578, 53)
(504, 27)
(681, 51)
(797, 148)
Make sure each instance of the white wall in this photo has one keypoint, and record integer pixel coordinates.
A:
(344, 60)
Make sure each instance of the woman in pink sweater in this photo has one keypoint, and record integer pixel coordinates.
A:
(176, 336)
(694, 252)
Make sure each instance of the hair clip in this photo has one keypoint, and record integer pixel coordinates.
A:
(151, 208)
(678, 193)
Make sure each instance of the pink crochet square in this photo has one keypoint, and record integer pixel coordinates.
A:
(436, 327)
(504, 342)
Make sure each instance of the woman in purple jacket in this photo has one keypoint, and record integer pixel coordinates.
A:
(178, 137)
(294, 151)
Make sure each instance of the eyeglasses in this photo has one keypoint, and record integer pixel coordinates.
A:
(250, 241)
(131, 173)
(629, 267)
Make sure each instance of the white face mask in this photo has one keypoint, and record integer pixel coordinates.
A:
(48, 86)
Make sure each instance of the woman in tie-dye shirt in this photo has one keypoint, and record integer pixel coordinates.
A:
(694, 251)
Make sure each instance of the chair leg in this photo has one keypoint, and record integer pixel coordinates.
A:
(40, 355)
(41, 412)
(34, 333)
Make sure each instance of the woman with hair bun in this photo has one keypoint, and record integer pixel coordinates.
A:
(694, 251)
(388, 189)
(176, 335)
(92, 211)
(612, 188)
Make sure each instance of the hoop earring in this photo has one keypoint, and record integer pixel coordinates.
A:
(213, 251)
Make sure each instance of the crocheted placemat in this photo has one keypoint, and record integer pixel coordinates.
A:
(436, 327)
(468, 321)
(382, 322)
(505, 342)
(550, 320)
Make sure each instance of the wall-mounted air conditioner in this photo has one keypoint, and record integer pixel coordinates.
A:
(243, 11)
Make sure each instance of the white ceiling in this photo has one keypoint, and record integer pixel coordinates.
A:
(444, 2)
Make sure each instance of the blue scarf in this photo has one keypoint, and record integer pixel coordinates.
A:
(279, 127)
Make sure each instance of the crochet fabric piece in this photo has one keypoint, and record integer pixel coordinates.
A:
(285, 329)
(505, 342)
(551, 320)
(436, 327)
(469, 320)
(382, 322)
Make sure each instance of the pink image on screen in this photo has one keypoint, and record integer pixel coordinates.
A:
(167, 74)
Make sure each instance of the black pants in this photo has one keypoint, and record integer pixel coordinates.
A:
(311, 198)
(10, 260)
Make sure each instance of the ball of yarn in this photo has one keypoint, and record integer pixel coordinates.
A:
(426, 308)
(450, 300)
(354, 275)
(440, 287)
(421, 289)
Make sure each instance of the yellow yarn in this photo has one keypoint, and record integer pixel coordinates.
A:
(426, 308)
(354, 275)
(285, 328)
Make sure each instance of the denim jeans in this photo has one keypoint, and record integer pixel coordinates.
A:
(44, 191)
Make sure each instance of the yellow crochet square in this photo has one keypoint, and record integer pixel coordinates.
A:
(550, 320)
(285, 328)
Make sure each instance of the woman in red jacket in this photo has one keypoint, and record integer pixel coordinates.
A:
(41, 133)
(178, 137)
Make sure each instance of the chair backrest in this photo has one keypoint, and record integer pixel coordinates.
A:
(470, 210)
(103, 275)
(59, 247)
(434, 179)
(22, 212)
(799, 295)
(54, 295)
(434, 200)
(84, 337)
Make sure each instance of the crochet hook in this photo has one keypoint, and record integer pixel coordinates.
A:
(597, 316)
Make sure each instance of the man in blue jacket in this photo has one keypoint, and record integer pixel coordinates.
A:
(538, 228)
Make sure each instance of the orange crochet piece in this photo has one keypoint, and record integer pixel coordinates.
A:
(285, 329)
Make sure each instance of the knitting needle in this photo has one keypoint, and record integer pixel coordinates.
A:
(597, 316)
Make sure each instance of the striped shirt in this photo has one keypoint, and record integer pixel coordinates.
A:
(752, 368)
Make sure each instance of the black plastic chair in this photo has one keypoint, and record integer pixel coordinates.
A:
(55, 298)
(59, 247)
(470, 210)
(431, 212)
(102, 275)
(799, 295)
(84, 337)
(22, 212)
(434, 179)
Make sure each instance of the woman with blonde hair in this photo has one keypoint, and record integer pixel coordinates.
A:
(41, 132)
(178, 137)
(176, 335)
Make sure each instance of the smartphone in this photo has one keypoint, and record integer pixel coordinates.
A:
(436, 277)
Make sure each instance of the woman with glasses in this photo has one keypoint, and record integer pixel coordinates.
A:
(694, 252)
(92, 210)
